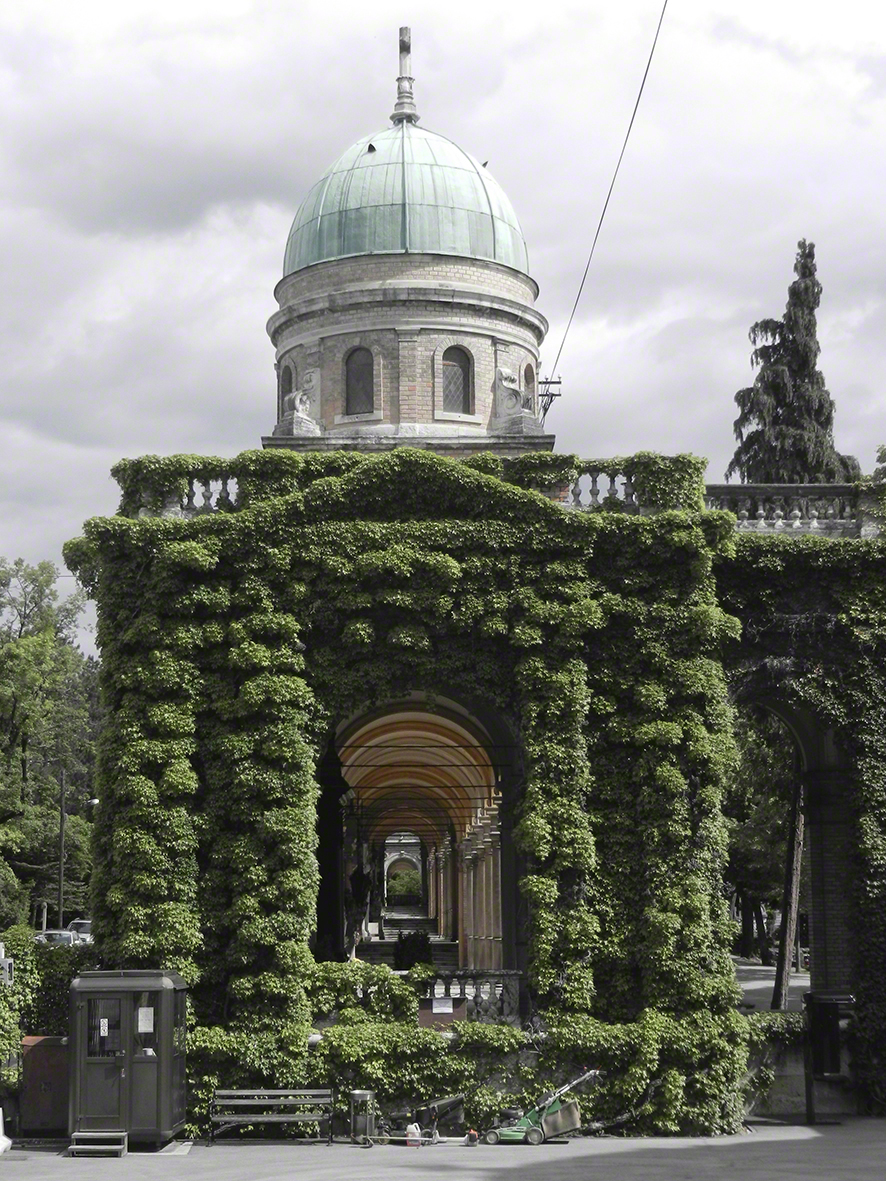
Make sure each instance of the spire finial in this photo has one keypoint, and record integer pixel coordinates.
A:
(404, 108)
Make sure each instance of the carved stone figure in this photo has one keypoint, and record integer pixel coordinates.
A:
(514, 410)
(507, 393)
(300, 408)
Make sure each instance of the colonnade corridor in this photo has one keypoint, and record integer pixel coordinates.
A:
(420, 804)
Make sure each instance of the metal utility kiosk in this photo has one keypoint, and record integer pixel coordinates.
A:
(127, 1054)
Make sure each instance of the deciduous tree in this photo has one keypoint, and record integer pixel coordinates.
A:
(48, 719)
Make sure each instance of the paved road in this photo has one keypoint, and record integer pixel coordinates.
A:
(757, 983)
(853, 1151)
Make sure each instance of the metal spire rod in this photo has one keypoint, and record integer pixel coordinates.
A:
(404, 108)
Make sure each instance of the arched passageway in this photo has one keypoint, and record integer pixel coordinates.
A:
(830, 835)
(431, 773)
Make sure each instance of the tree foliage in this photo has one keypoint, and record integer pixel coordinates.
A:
(757, 805)
(49, 716)
(404, 883)
(785, 422)
(759, 793)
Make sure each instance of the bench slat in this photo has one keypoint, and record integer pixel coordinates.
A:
(267, 1118)
(316, 1103)
(243, 1093)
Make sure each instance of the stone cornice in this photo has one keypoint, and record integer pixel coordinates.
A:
(407, 299)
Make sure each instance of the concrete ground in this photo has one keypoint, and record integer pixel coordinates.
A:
(757, 983)
(855, 1149)
(852, 1151)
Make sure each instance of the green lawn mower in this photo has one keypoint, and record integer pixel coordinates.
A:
(549, 1118)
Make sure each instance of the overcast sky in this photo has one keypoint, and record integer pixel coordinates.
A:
(153, 155)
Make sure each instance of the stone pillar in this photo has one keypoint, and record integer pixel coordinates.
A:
(408, 345)
(497, 949)
(444, 924)
(464, 902)
(454, 886)
(431, 870)
(483, 950)
(470, 902)
(487, 932)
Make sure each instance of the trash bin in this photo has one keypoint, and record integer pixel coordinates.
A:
(362, 1115)
(126, 1051)
(825, 1011)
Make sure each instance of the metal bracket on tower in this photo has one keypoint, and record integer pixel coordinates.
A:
(547, 393)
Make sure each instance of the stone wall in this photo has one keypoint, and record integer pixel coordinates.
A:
(390, 269)
(407, 309)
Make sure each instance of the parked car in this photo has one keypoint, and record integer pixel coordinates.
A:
(57, 938)
(82, 928)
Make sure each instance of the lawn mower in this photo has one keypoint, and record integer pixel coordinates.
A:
(550, 1117)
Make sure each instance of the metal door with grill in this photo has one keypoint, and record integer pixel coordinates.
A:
(105, 1086)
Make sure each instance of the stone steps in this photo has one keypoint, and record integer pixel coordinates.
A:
(381, 951)
(407, 923)
(99, 1144)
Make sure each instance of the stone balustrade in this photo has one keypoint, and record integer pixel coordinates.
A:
(492, 994)
(834, 510)
(597, 487)
(203, 495)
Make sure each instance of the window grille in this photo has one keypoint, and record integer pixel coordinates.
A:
(359, 383)
(456, 381)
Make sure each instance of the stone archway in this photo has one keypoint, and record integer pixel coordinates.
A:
(830, 833)
(433, 771)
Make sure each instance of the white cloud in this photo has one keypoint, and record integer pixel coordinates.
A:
(153, 156)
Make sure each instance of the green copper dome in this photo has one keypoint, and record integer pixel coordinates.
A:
(405, 189)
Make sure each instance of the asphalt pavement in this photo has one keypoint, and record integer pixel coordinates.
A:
(852, 1151)
(757, 984)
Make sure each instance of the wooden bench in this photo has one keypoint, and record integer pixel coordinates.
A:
(230, 1109)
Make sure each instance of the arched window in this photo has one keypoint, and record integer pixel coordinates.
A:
(285, 381)
(457, 392)
(359, 383)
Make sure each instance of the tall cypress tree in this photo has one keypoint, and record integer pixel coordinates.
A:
(785, 422)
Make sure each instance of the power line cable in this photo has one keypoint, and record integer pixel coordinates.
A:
(611, 187)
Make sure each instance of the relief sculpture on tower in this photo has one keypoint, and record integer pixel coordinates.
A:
(514, 409)
(301, 407)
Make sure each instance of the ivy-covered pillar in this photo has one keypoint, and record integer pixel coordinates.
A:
(833, 841)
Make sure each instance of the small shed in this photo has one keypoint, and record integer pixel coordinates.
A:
(127, 1054)
(43, 1102)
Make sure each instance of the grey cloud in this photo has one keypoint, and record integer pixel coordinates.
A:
(724, 29)
(143, 144)
(148, 193)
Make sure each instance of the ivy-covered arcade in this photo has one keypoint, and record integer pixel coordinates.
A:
(407, 625)
(449, 646)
